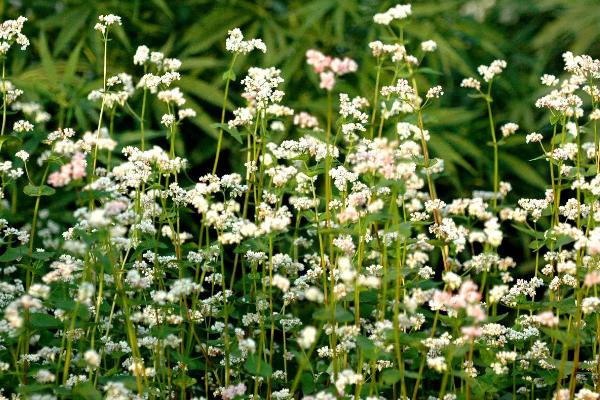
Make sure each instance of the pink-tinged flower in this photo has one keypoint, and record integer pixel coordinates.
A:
(318, 60)
(328, 68)
(592, 278)
(59, 178)
(78, 165)
(457, 302)
(546, 318)
(471, 331)
(73, 170)
(115, 207)
(232, 391)
(440, 300)
(468, 291)
(327, 80)
(476, 312)
(343, 66)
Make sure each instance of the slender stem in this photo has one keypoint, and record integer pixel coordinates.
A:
(93, 172)
(375, 96)
(488, 102)
(142, 116)
(35, 216)
(70, 343)
(223, 109)
(225, 318)
(4, 96)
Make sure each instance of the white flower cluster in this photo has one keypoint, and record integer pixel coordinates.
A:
(236, 44)
(494, 69)
(10, 32)
(398, 12)
(107, 21)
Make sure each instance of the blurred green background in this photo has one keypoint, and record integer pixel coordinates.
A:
(63, 65)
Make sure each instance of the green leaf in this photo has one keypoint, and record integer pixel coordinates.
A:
(390, 376)
(340, 315)
(41, 320)
(565, 338)
(71, 25)
(71, 65)
(368, 347)
(42, 255)
(48, 62)
(231, 130)
(87, 391)
(536, 245)
(404, 229)
(184, 381)
(35, 191)
(202, 90)
(523, 170)
(430, 71)
(163, 6)
(256, 366)
(308, 383)
(14, 253)
(229, 74)
(8, 138)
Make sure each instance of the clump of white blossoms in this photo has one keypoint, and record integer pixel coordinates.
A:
(235, 43)
(398, 12)
(10, 33)
(107, 21)
(509, 129)
(493, 70)
(428, 46)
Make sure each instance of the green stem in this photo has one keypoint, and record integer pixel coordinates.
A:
(4, 97)
(223, 109)
(488, 102)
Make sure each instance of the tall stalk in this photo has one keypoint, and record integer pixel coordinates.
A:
(488, 102)
(229, 74)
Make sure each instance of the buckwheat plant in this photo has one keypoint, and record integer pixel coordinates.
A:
(331, 267)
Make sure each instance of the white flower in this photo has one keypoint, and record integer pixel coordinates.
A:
(489, 72)
(307, 337)
(44, 376)
(534, 137)
(142, 55)
(549, 80)
(23, 155)
(172, 96)
(400, 11)
(186, 113)
(438, 364)
(150, 81)
(428, 46)
(85, 292)
(10, 32)
(471, 83)
(22, 126)
(167, 120)
(435, 92)
(509, 129)
(314, 294)
(92, 358)
(106, 21)
(452, 280)
(260, 85)
(235, 43)
(281, 282)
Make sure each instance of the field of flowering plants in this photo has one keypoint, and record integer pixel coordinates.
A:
(314, 254)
